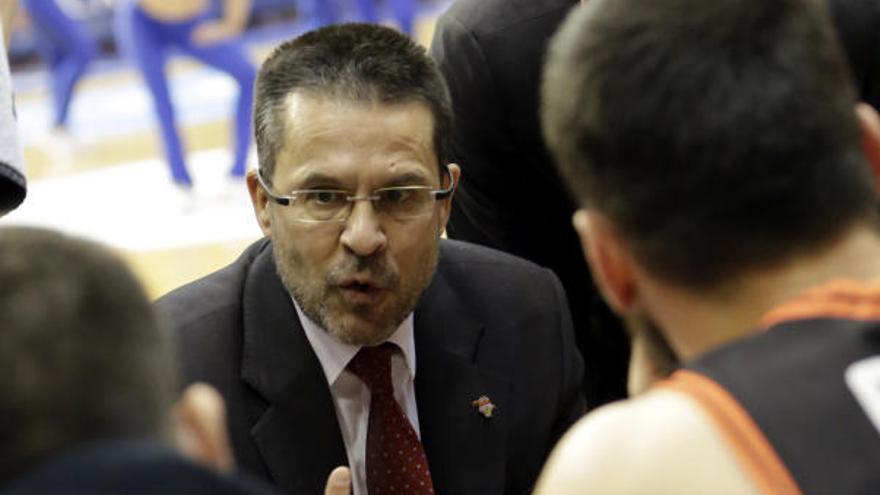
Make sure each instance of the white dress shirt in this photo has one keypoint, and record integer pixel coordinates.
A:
(351, 397)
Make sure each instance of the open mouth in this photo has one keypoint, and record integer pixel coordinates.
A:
(359, 287)
(361, 291)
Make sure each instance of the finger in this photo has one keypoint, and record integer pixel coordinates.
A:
(339, 482)
(201, 427)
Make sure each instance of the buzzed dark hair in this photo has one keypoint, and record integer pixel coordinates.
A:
(355, 62)
(718, 136)
(81, 354)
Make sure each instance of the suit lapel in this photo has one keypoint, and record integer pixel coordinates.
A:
(466, 451)
(297, 434)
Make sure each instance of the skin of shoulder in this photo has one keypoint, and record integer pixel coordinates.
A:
(659, 443)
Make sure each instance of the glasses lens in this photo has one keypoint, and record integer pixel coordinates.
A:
(404, 202)
(320, 206)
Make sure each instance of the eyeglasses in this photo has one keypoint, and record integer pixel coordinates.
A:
(331, 205)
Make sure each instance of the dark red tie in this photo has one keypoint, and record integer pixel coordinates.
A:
(396, 462)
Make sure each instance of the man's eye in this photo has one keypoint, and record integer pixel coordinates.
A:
(324, 198)
(396, 195)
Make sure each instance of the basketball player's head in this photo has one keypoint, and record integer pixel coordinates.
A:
(706, 141)
(84, 358)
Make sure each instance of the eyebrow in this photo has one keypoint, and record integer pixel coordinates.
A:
(314, 180)
(408, 179)
(318, 180)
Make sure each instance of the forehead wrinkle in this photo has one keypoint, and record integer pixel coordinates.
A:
(312, 139)
(300, 140)
(297, 102)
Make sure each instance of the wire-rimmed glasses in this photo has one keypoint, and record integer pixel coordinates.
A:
(334, 205)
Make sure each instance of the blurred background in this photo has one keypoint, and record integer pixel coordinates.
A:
(104, 174)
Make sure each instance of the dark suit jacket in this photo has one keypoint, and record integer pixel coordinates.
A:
(488, 324)
(510, 197)
(858, 25)
(126, 467)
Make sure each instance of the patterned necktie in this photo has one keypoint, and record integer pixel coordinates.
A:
(396, 462)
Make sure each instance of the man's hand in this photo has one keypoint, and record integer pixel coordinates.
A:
(339, 482)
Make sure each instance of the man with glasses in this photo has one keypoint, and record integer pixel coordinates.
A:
(353, 335)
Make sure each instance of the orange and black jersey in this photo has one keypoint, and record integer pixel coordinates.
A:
(800, 402)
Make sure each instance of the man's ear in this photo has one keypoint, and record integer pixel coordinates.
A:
(446, 206)
(260, 202)
(200, 428)
(609, 259)
(870, 127)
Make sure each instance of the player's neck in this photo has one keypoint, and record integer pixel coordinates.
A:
(696, 322)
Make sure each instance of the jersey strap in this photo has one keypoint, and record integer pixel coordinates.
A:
(752, 448)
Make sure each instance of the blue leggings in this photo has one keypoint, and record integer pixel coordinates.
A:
(404, 12)
(325, 12)
(67, 50)
(148, 41)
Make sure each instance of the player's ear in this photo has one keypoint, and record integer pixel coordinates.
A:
(609, 259)
(260, 202)
(200, 428)
(869, 123)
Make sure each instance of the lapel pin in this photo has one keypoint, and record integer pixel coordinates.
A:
(484, 406)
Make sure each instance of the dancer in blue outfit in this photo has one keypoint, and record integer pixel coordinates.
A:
(67, 49)
(324, 12)
(403, 10)
(150, 28)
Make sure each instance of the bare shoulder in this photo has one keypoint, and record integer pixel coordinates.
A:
(659, 443)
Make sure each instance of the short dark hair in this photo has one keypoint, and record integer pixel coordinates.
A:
(357, 62)
(81, 353)
(718, 136)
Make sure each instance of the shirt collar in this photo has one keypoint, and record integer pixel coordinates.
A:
(335, 355)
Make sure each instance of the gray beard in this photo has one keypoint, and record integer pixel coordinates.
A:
(316, 310)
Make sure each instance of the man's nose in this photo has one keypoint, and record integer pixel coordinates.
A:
(363, 234)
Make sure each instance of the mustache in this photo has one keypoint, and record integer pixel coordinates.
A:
(368, 269)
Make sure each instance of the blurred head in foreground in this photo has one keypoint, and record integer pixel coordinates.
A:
(709, 143)
(724, 170)
(85, 359)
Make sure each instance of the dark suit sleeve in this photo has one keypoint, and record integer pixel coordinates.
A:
(481, 138)
(571, 399)
(858, 26)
